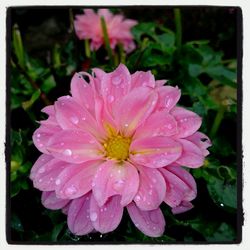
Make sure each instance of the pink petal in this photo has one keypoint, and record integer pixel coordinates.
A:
(191, 156)
(113, 178)
(115, 85)
(168, 97)
(49, 110)
(50, 201)
(42, 160)
(158, 123)
(42, 135)
(180, 185)
(134, 109)
(141, 78)
(70, 115)
(151, 190)
(74, 146)
(82, 92)
(106, 218)
(151, 223)
(188, 122)
(76, 181)
(45, 176)
(200, 140)
(155, 152)
(183, 207)
(79, 222)
(160, 83)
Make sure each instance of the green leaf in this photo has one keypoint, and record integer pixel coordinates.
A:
(26, 105)
(143, 29)
(18, 45)
(56, 231)
(195, 70)
(15, 188)
(16, 223)
(48, 84)
(224, 232)
(222, 194)
(167, 41)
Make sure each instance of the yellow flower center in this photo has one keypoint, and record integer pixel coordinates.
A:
(117, 147)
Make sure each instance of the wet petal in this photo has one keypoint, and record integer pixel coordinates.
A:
(200, 140)
(191, 156)
(155, 152)
(42, 160)
(78, 220)
(82, 92)
(183, 207)
(168, 97)
(70, 115)
(188, 122)
(76, 181)
(134, 109)
(151, 190)
(42, 135)
(107, 217)
(50, 201)
(180, 185)
(141, 78)
(151, 223)
(112, 178)
(158, 123)
(45, 176)
(74, 146)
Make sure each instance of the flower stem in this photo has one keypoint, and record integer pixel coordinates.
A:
(178, 26)
(217, 121)
(122, 54)
(106, 39)
(87, 48)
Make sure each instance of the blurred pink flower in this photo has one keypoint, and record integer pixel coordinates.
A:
(88, 26)
(118, 141)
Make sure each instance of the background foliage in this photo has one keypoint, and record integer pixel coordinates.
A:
(195, 48)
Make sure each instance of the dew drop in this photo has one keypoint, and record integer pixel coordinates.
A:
(100, 235)
(67, 152)
(137, 197)
(58, 182)
(40, 180)
(83, 118)
(105, 209)
(93, 216)
(118, 185)
(70, 190)
(150, 192)
(222, 205)
(93, 184)
(169, 126)
(111, 98)
(40, 145)
(62, 143)
(126, 125)
(154, 180)
(137, 225)
(154, 228)
(38, 135)
(116, 80)
(149, 203)
(101, 210)
(74, 119)
(41, 170)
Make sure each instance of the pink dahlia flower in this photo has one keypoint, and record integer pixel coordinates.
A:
(118, 142)
(88, 26)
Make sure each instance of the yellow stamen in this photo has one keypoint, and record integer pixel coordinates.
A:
(117, 147)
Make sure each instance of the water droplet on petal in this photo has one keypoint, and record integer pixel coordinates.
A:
(38, 135)
(118, 185)
(116, 80)
(137, 198)
(93, 216)
(222, 204)
(137, 225)
(40, 180)
(83, 118)
(67, 152)
(126, 125)
(150, 192)
(70, 190)
(40, 145)
(58, 182)
(154, 228)
(111, 98)
(41, 170)
(154, 180)
(74, 119)
(169, 126)
(105, 209)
